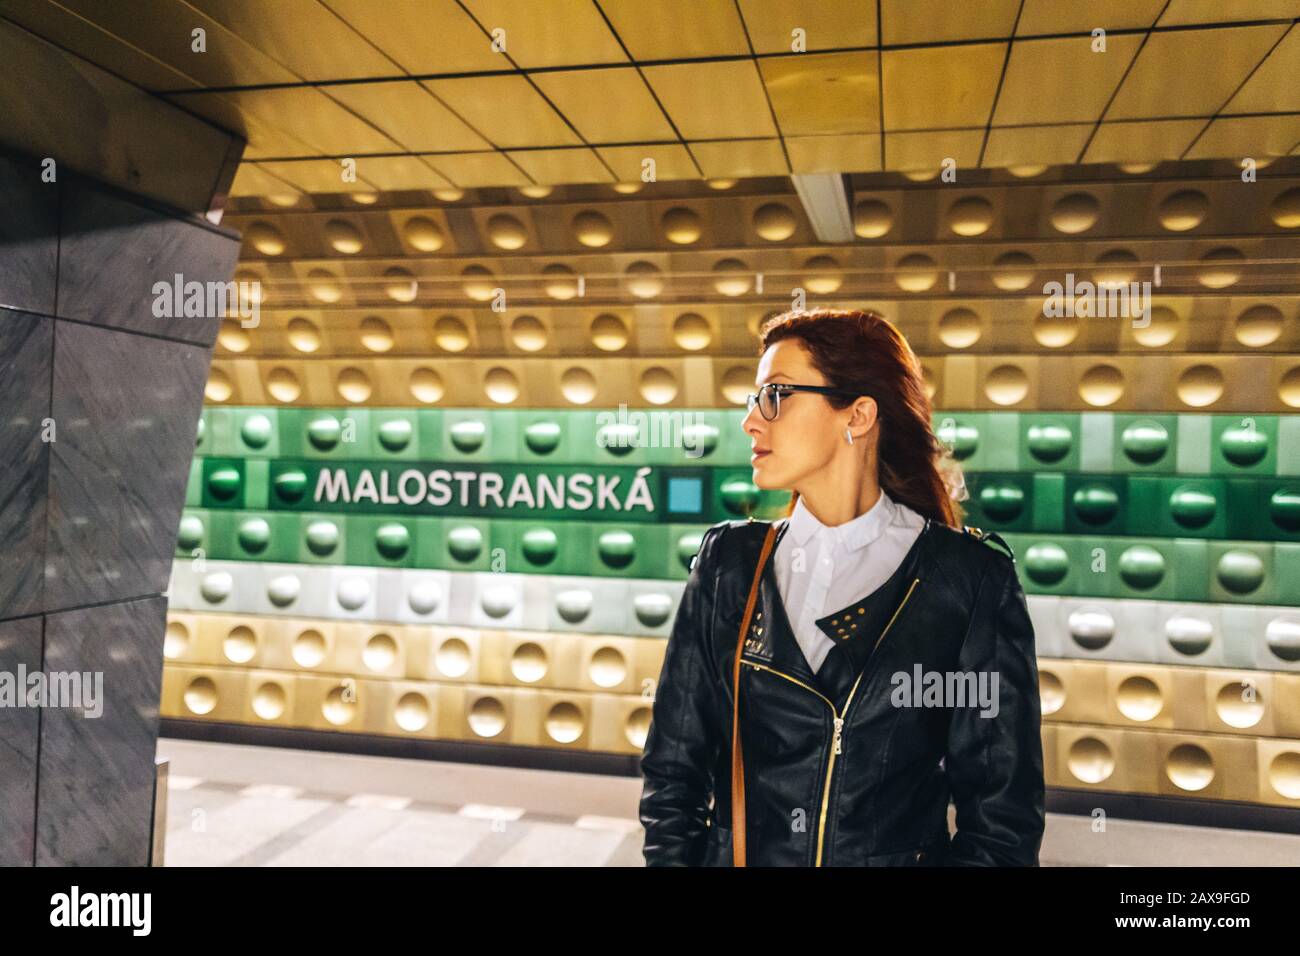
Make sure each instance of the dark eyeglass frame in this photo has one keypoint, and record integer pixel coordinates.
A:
(777, 389)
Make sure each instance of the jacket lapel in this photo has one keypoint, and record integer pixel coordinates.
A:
(771, 638)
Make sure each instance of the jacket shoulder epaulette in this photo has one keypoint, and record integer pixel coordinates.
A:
(993, 539)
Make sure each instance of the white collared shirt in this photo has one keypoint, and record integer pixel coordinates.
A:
(821, 569)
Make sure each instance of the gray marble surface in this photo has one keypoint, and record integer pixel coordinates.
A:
(20, 646)
(29, 241)
(113, 252)
(25, 348)
(126, 407)
(95, 803)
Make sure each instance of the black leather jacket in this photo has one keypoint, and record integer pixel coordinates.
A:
(873, 791)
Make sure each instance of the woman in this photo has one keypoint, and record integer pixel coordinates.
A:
(888, 660)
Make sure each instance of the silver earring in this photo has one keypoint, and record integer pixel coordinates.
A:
(849, 435)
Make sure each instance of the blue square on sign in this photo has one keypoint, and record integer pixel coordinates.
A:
(685, 495)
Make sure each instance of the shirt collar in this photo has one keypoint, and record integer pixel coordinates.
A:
(854, 534)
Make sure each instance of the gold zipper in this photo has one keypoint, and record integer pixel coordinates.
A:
(837, 745)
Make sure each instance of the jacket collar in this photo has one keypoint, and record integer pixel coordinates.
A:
(854, 534)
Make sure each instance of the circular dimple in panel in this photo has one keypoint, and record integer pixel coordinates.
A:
(1284, 774)
(1200, 385)
(423, 234)
(542, 438)
(1102, 385)
(637, 727)
(1144, 442)
(1238, 704)
(1055, 331)
(506, 232)
(233, 337)
(1189, 635)
(1047, 564)
(739, 496)
(652, 610)
(774, 222)
(1184, 210)
(962, 438)
(269, 701)
(700, 440)
(282, 385)
(1258, 326)
(1006, 385)
(528, 333)
(450, 194)
(691, 331)
(1243, 446)
(364, 198)
(479, 283)
(254, 535)
(1090, 760)
(218, 387)
(959, 328)
(501, 386)
(1013, 271)
(412, 712)
(303, 335)
(176, 641)
(731, 277)
(1049, 442)
(559, 281)
(540, 546)
(200, 695)
(574, 605)
(392, 541)
(681, 226)
(190, 534)
(1002, 501)
(1136, 169)
(1075, 213)
(528, 663)
(265, 238)
(1284, 509)
(1164, 328)
(216, 587)
(1285, 209)
(256, 431)
(592, 229)
(1026, 171)
(578, 386)
(1051, 692)
(1115, 267)
(257, 290)
(1141, 567)
(535, 192)
(657, 385)
(1240, 571)
(424, 596)
(465, 543)
(1192, 507)
(1220, 267)
(309, 648)
(872, 219)
(453, 657)
(450, 333)
(401, 285)
(376, 334)
(343, 237)
(1139, 698)
(468, 436)
(970, 216)
(564, 722)
(1189, 767)
(737, 382)
(395, 434)
(644, 280)
(426, 385)
(324, 432)
(608, 333)
(199, 431)
(499, 600)
(324, 286)
(720, 184)
(353, 593)
(380, 652)
(339, 706)
(608, 667)
(916, 272)
(1092, 627)
(626, 189)
(282, 590)
(1282, 635)
(353, 385)
(487, 717)
(1095, 503)
(616, 549)
(822, 275)
(224, 483)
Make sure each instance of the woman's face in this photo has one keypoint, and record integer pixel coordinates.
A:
(807, 432)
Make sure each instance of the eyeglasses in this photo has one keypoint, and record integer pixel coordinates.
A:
(768, 398)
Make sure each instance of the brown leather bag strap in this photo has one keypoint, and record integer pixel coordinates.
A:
(737, 761)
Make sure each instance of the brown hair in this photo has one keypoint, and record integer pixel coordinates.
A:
(865, 353)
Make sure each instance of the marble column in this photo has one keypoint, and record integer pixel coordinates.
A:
(99, 402)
